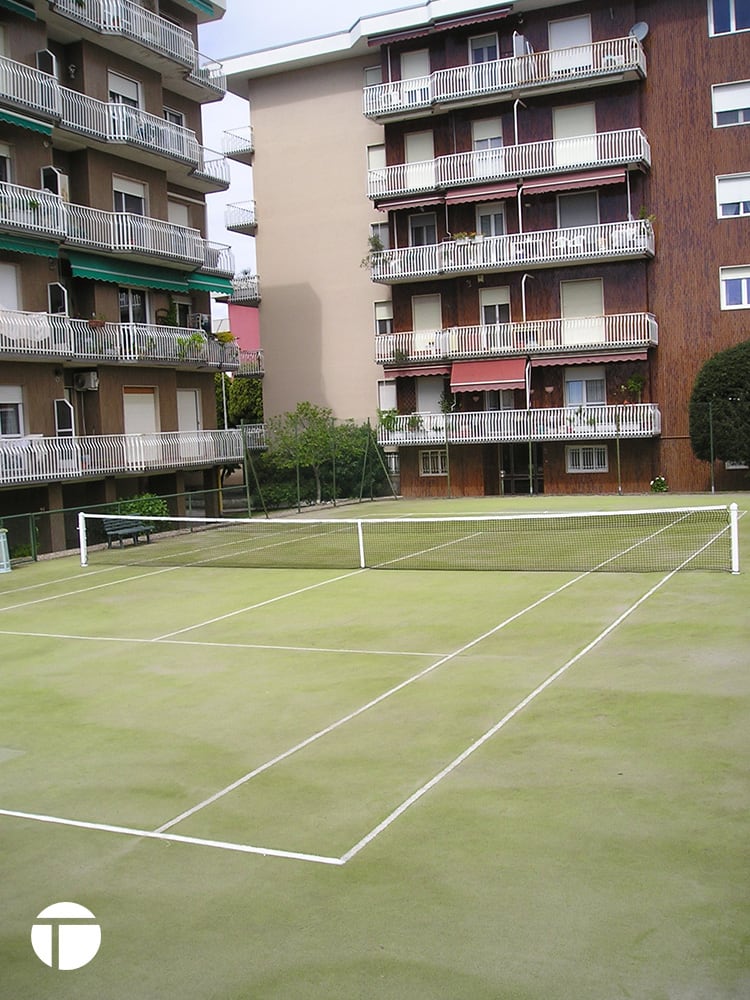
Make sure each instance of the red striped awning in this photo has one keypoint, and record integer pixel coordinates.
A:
(417, 370)
(587, 359)
(410, 201)
(481, 192)
(476, 376)
(580, 179)
(449, 24)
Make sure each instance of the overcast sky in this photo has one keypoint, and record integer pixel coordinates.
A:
(247, 26)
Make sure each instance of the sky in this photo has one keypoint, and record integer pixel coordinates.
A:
(247, 26)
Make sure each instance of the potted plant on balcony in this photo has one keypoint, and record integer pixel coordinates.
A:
(387, 419)
(96, 321)
(374, 246)
(634, 387)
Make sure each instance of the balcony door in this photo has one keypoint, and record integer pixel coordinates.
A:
(427, 321)
(420, 160)
(574, 132)
(570, 45)
(582, 306)
(141, 417)
(189, 421)
(488, 159)
(415, 72)
(494, 307)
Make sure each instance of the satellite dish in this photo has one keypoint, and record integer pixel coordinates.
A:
(639, 30)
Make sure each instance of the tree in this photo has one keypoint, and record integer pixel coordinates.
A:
(244, 400)
(720, 407)
(303, 437)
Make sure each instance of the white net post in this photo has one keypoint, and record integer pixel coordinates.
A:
(735, 537)
(82, 541)
(361, 544)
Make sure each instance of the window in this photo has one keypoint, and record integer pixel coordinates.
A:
(133, 305)
(387, 394)
(585, 386)
(574, 132)
(5, 161)
(129, 196)
(731, 103)
(483, 48)
(491, 220)
(494, 305)
(570, 44)
(380, 231)
(373, 76)
(174, 117)
(725, 16)
(383, 317)
(124, 91)
(581, 209)
(433, 462)
(9, 298)
(586, 458)
(11, 411)
(183, 309)
(423, 229)
(733, 195)
(735, 287)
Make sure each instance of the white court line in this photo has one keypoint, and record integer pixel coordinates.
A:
(152, 835)
(359, 711)
(85, 590)
(82, 571)
(221, 645)
(260, 604)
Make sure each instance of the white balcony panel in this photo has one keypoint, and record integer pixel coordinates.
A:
(218, 258)
(245, 289)
(239, 144)
(208, 73)
(26, 87)
(240, 217)
(588, 423)
(123, 232)
(212, 167)
(31, 210)
(251, 363)
(623, 331)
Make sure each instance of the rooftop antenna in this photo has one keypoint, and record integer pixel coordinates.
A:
(639, 30)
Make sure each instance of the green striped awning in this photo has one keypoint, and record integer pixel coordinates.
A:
(12, 118)
(204, 6)
(209, 283)
(22, 244)
(18, 7)
(122, 272)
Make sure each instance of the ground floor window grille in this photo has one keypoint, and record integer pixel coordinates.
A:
(433, 463)
(586, 458)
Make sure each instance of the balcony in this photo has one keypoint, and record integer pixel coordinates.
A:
(29, 89)
(587, 334)
(239, 145)
(54, 337)
(241, 218)
(47, 459)
(245, 290)
(208, 74)
(611, 61)
(251, 364)
(622, 148)
(628, 240)
(582, 423)
(32, 211)
(135, 235)
(211, 171)
(218, 258)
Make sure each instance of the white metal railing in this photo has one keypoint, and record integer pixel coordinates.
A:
(54, 335)
(245, 288)
(208, 73)
(532, 159)
(240, 216)
(31, 210)
(29, 88)
(212, 166)
(585, 333)
(637, 420)
(239, 141)
(123, 232)
(120, 123)
(35, 459)
(218, 258)
(551, 69)
(251, 363)
(130, 20)
(614, 240)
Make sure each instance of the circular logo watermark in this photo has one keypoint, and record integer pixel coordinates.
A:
(66, 936)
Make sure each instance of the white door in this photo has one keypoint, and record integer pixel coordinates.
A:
(415, 74)
(427, 321)
(189, 422)
(574, 131)
(141, 417)
(570, 45)
(487, 144)
(582, 305)
(420, 159)
(429, 391)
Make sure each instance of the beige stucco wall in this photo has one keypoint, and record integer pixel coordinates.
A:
(310, 176)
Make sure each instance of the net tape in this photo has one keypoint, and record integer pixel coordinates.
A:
(614, 541)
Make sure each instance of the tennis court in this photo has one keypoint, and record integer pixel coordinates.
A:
(340, 782)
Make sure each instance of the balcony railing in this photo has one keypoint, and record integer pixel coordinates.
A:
(44, 459)
(251, 363)
(58, 337)
(613, 59)
(31, 210)
(624, 331)
(245, 289)
(25, 87)
(208, 73)
(218, 258)
(545, 248)
(123, 232)
(119, 123)
(580, 423)
(240, 217)
(239, 144)
(131, 21)
(619, 148)
(212, 167)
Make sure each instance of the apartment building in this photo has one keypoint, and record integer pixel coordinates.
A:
(556, 197)
(106, 359)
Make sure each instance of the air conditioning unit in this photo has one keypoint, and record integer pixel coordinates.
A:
(86, 381)
(199, 321)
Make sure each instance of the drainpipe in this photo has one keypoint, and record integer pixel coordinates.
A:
(520, 214)
(515, 118)
(523, 294)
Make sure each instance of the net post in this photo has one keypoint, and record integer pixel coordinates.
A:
(361, 543)
(82, 541)
(734, 536)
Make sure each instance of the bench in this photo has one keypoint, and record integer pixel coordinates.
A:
(120, 528)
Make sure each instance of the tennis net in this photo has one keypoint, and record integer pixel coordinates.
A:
(613, 541)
